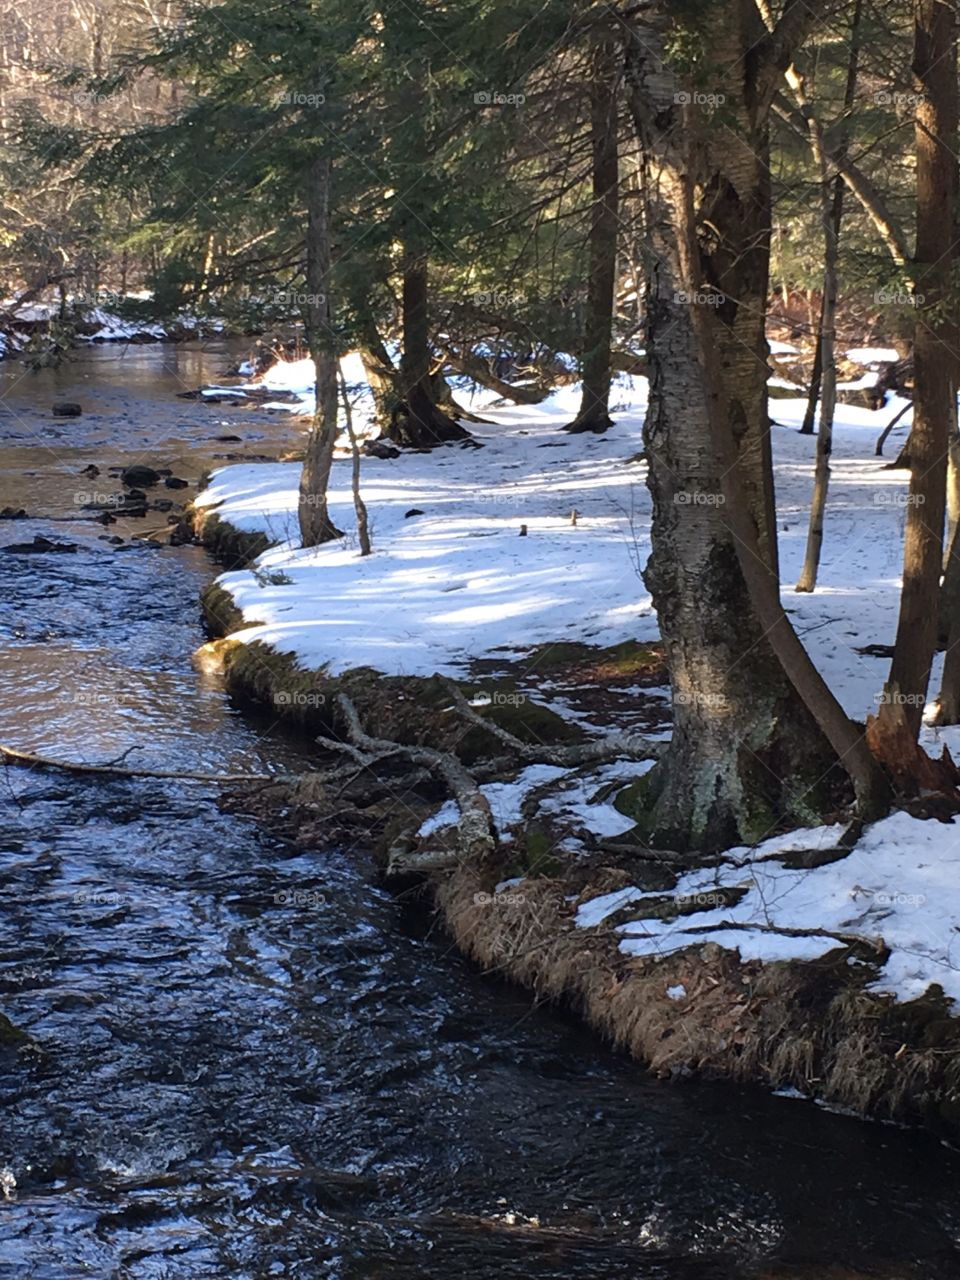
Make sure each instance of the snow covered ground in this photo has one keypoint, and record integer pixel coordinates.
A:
(456, 581)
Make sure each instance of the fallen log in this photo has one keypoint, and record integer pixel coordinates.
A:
(111, 768)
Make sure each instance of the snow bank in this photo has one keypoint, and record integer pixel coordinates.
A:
(900, 887)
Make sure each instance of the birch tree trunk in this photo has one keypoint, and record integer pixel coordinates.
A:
(746, 752)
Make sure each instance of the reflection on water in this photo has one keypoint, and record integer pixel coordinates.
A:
(249, 1061)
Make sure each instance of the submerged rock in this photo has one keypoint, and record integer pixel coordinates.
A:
(39, 544)
(67, 409)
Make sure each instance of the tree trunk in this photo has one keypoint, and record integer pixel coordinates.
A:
(416, 421)
(359, 506)
(832, 216)
(934, 403)
(816, 377)
(746, 753)
(594, 414)
(315, 523)
(950, 587)
(380, 373)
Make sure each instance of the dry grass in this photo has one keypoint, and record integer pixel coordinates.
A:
(810, 1026)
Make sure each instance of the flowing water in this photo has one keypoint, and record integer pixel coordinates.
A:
(247, 1061)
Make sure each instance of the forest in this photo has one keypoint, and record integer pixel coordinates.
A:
(534, 430)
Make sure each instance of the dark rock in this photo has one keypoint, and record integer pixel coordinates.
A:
(67, 409)
(91, 471)
(137, 494)
(229, 439)
(113, 539)
(174, 482)
(162, 504)
(105, 518)
(140, 477)
(40, 544)
(13, 513)
(414, 511)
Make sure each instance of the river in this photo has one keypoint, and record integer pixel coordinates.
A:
(249, 1061)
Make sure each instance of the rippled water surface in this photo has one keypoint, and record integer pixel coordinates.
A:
(247, 1061)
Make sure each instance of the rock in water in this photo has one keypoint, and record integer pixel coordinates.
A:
(39, 544)
(174, 482)
(139, 477)
(67, 409)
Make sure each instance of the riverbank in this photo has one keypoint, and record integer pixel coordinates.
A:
(806, 963)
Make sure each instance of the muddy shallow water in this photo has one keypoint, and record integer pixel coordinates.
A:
(247, 1061)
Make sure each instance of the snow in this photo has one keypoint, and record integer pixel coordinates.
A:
(872, 355)
(114, 329)
(899, 885)
(576, 804)
(458, 583)
(506, 800)
(597, 910)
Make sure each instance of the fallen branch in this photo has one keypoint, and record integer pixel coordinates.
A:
(476, 837)
(28, 760)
